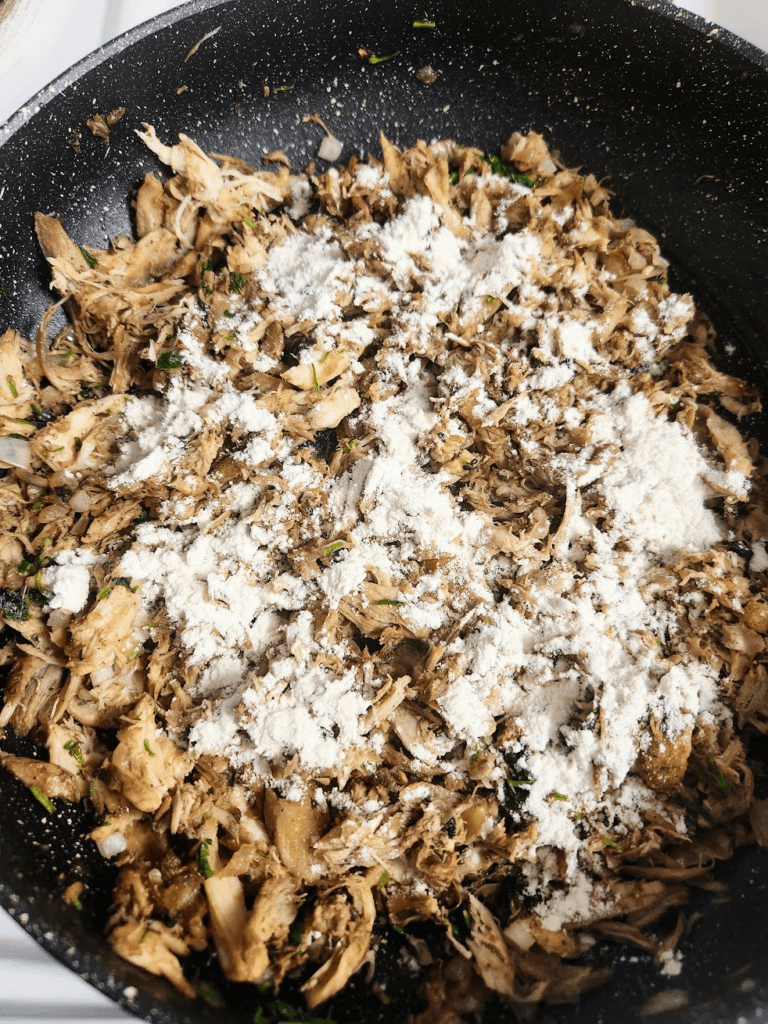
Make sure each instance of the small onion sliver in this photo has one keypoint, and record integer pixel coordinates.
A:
(15, 451)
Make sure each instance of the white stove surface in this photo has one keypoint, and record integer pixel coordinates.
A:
(38, 41)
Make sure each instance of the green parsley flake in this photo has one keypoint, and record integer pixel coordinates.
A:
(423, 24)
(12, 386)
(73, 747)
(384, 878)
(148, 749)
(391, 604)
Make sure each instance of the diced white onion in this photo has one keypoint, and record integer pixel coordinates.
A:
(15, 451)
(111, 845)
(80, 502)
(330, 149)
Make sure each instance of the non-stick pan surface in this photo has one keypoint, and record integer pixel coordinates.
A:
(672, 111)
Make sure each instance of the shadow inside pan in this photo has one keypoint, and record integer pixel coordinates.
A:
(638, 93)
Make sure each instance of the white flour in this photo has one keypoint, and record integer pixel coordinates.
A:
(270, 683)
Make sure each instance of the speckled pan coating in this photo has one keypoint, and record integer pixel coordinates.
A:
(673, 111)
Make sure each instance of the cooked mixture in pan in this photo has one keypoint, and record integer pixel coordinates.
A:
(379, 548)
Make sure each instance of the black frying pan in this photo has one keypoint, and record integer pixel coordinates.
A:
(672, 111)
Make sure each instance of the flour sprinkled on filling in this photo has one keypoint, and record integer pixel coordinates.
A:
(424, 567)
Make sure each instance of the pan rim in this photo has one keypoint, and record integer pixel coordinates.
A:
(36, 103)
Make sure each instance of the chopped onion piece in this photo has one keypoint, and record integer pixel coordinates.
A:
(111, 845)
(80, 502)
(15, 451)
(330, 149)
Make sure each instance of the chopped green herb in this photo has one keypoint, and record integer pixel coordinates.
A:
(423, 24)
(467, 919)
(475, 756)
(495, 163)
(389, 603)
(250, 222)
(453, 177)
(104, 593)
(52, 451)
(514, 783)
(67, 355)
(470, 170)
(90, 260)
(349, 446)
(398, 929)
(283, 88)
(722, 780)
(200, 304)
(333, 547)
(155, 625)
(26, 568)
(581, 816)
(74, 749)
(557, 796)
(40, 796)
(75, 901)
(260, 1018)
(611, 842)
(148, 749)
(227, 314)
(373, 59)
(170, 360)
(489, 299)
(265, 986)
(236, 281)
(296, 934)
(37, 504)
(12, 386)
(3, 291)
(326, 356)
(384, 878)
(205, 868)
(454, 929)
(315, 385)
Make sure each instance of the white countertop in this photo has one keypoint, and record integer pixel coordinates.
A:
(39, 40)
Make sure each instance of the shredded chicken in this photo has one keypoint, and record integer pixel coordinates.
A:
(290, 867)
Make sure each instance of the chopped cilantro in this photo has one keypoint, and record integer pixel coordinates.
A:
(349, 446)
(75, 902)
(475, 756)
(557, 796)
(453, 177)
(423, 24)
(325, 356)
(250, 222)
(514, 783)
(296, 934)
(148, 749)
(170, 361)
(611, 842)
(283, 88)
(315, 385)
(105, 592)
(26, 568)
(384, 878)
(40, 796)
(124, 581)
(90, 260)
(398, 929)
(236, 281)
(722, 780)
(12, 386)
(373, 59)
(388, 602)
(227, 314)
